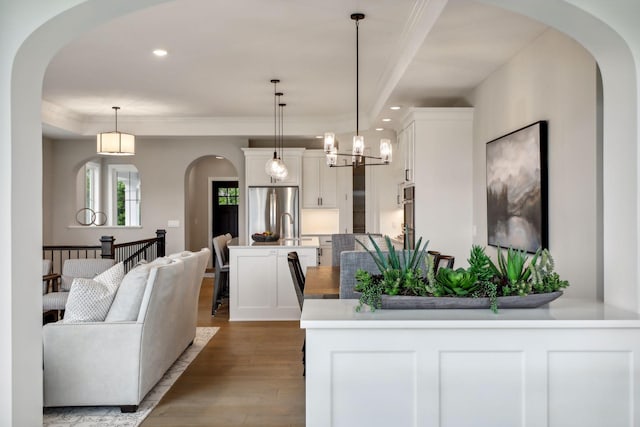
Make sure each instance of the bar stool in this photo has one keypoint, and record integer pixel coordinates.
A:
(222, 271)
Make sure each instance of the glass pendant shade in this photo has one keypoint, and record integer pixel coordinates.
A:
(272, 167)
(358, 145)
(282, 171)
(116, 144)
(332, 157)
(329, 142)
(386, 152)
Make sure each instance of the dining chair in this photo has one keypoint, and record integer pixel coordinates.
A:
(297, 276)
(444, 261)
(222, 271)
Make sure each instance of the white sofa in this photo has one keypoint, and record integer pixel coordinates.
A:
(116, 363)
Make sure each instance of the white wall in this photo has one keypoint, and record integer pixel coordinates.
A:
(162, 164)
(443, 179)
(553, 79)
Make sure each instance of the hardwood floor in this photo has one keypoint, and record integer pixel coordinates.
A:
(250, 374)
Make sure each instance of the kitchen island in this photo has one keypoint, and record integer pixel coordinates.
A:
(260, 284)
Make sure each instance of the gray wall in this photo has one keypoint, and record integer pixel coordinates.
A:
(553, 79)
(163, 163)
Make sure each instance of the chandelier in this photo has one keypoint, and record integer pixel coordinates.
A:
(357, 152)
(116, 143)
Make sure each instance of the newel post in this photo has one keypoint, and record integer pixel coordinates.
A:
(160, 235)
(107, 247)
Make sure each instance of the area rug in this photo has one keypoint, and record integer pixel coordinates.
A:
(109, 416)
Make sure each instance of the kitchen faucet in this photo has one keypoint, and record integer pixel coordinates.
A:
(283, 230)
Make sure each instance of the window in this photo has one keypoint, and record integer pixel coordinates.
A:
(227, 196)
(108, 194)
(91, 189)
(125, 195)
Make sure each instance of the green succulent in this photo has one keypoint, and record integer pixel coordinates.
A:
(512, 270)
(458, 282)
(480, 264)
(396, 260)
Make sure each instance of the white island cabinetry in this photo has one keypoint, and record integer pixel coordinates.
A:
(260, 284)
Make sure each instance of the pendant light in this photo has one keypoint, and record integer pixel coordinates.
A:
(272, 166)
(116, 143)
(275, 167)
(283, 172)
(358, 147)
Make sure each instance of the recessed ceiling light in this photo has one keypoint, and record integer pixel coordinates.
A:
(395, 107)
(386, 120)
(160, 52)
(219, 157)
(319, 136)
(379, 129)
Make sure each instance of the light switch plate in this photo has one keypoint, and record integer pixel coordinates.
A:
(173, 223)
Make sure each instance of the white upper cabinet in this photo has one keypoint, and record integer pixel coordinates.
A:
(256, 159)
(318, 181)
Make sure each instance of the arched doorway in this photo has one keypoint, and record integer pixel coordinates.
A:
(31, 46)
(211, 204)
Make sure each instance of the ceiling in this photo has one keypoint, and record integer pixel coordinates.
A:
(222, 55)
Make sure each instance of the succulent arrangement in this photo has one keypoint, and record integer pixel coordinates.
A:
(401, 273)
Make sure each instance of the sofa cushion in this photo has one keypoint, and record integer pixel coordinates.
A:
(90, 299)
(126, 304)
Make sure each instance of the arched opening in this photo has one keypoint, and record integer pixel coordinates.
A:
(207, 212)
(22, 79)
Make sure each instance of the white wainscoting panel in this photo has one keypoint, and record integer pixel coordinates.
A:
(582, 383)
(385, 388)
(486, 386)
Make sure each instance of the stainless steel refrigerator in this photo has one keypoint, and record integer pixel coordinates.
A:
(267, 209)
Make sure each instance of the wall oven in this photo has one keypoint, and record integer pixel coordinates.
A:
(409, 217)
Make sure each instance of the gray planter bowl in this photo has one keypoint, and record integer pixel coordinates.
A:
(415, 302)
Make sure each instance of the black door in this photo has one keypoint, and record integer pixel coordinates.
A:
(224, 209)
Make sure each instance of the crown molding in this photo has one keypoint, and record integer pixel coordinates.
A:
(61, 118)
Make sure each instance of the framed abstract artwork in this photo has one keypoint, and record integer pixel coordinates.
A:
(517, 211)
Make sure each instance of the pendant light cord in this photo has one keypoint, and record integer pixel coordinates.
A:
(116, 110)
(357, 79)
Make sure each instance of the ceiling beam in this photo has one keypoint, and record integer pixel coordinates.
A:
(419, 23)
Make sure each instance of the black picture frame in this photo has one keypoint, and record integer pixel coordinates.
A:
(517, 189)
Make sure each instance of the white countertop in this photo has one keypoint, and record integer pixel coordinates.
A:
(303, 242)
(562, 313)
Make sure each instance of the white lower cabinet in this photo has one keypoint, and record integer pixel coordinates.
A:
(260, 284)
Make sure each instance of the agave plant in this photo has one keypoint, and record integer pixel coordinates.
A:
(409, 261)
(512, 269)
(400, 270)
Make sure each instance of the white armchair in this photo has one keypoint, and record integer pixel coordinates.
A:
(71, 269)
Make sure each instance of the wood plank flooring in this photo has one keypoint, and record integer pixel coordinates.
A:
(250, 374)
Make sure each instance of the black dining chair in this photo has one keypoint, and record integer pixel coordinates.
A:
(298, 284)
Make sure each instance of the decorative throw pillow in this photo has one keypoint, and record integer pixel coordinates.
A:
(90, 299)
